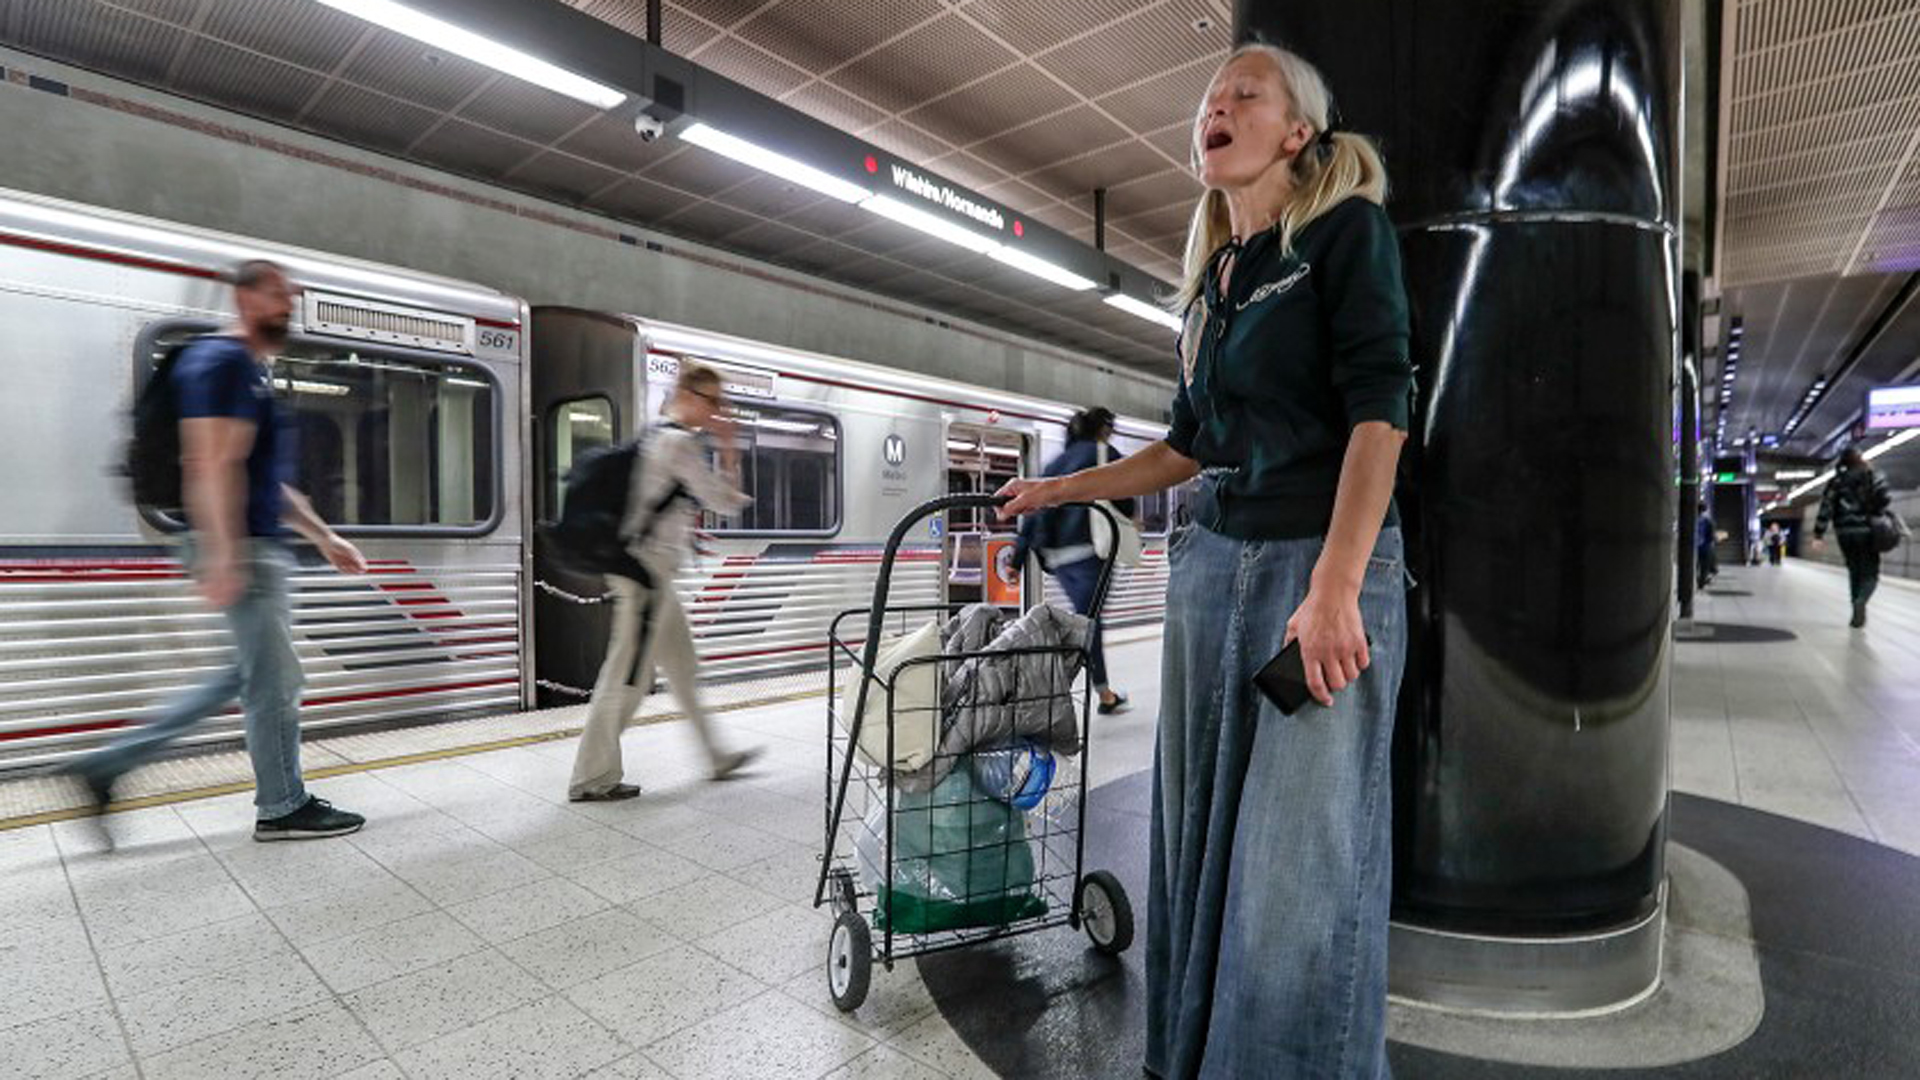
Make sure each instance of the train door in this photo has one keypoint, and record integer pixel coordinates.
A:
(978, 560)
(584, 395)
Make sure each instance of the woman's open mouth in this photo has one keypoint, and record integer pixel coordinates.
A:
(1215, 140)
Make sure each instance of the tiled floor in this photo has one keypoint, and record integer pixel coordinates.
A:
(480, 926)
(1825, 727)
(483, 927)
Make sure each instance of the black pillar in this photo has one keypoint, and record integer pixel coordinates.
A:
(1532, 150)
(1687, 435)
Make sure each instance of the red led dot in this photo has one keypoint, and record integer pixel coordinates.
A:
(873, 164)
(1019, 228)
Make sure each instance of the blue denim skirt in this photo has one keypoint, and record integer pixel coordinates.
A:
(1272, 834)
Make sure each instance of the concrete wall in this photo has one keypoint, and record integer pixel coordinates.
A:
(113, 144)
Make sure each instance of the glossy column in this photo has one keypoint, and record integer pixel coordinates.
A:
(1531, 144)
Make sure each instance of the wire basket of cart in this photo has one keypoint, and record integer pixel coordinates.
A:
(957, 749)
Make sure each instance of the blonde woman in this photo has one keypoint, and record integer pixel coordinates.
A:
(1266, 950)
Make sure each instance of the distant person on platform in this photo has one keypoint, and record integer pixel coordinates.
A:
(232, 461)
(1707, 564)
(1776, 541)
(1062, 537)
(673, 480)
(1854, 497)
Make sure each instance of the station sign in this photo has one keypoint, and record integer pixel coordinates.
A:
(1893, 407)
(946, 196)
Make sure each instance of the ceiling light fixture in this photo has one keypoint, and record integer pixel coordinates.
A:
(916, 218)
(1144, 310)
(1041, 268)
(450, 38)
(1898, 440)
(711, 138)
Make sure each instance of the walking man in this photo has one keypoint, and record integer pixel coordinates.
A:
(1854, 497)
(673, 479)
(231, 450)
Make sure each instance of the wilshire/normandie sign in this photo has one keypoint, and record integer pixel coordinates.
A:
(935, 192)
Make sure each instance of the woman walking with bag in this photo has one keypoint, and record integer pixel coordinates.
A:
(1063, 539)
(1854, 498)
(1271, 834)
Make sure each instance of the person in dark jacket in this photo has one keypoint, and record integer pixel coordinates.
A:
(1707, 562)
(1854, 497)
(1062, 537)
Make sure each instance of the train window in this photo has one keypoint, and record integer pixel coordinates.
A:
(579, 427)
(790, 464)
(390, 442)
(379, 440)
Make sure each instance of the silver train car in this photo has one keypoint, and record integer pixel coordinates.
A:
(408, 415)
(433, 421)
(834, 453)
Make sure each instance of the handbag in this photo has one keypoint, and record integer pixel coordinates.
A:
(1124, 549)
(1889, 529)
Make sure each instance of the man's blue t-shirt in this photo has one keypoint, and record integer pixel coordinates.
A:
(218, 377)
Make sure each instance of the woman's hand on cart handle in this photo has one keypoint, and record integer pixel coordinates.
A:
(1026, 496)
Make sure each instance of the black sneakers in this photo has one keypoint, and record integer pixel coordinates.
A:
(312, 821)
(729, 764)
(616, 793)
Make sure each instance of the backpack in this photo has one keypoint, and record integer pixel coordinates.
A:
(152, 465)
(587, 536)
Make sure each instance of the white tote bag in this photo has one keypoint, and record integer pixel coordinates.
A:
(1124, 550)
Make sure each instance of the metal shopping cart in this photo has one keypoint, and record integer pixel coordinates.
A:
(936, 843)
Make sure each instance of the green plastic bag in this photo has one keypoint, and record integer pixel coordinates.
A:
(960, 860)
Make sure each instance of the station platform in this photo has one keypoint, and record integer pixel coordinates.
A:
(483, 926)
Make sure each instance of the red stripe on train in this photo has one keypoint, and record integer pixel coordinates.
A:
(336, 699)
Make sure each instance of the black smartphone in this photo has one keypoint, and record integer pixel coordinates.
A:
(1284, 680)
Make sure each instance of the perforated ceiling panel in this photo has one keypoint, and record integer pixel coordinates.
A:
(1036, 102)
(1822, 127)
(1819, 206)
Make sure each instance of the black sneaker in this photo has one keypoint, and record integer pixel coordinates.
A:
(1859, 616)
(315, 820)
(1117, 705)
(98, 794)
(616, 793)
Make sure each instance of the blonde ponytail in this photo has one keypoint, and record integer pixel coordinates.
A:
(1325, 174)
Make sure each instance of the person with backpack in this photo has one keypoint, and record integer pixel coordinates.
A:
(1854, 498)
(208, 440)
(1062, 538)
(671, 479)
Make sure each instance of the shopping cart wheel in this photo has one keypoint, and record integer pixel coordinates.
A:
(849, 961)
(1106, 913)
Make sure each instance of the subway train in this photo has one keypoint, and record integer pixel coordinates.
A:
(433, 421)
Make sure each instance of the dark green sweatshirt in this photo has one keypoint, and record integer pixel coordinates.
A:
(1304, 346)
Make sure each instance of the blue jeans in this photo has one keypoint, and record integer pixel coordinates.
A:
(1079, 579)
(264, 675)
(1271, 866)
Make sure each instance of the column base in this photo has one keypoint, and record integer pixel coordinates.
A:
(1587, 974)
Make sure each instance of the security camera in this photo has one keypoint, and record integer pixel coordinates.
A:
(648, 127)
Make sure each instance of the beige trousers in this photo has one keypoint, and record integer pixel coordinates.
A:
(649, 629)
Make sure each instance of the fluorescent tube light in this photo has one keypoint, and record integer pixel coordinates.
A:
(780, 165)
(1041, 268)
(446, 36)
(1810, 485)
(1897, 440)
(917, 218)
(1144, 310)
